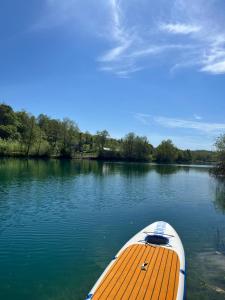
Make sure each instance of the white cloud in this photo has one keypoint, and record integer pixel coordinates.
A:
(203, 37)
(198, 125)
(213, 60)
(145, 34)
(117, 29)
(143, 118)
(215, 68)
(118, 32)
(154, 50)
(197, 117)
(114, 53)
(190, 134)
(213, 128)
(179, 28)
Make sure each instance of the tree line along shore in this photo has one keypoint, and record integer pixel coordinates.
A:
(24, 135)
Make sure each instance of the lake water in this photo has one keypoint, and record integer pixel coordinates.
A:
(61, 222)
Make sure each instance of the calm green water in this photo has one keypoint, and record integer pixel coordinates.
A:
(61, 222)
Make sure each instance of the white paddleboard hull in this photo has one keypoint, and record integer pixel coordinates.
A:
(159, 228)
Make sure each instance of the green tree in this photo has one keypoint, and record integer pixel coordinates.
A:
(142, 148)
(219, 169)
(87, 142)
(69, 137)
(23, 134)
(128, 146)
(43, 147)
(51, 129)
(166, 152)
(8, 132)
(187, 157)
(136, 147)
(8, 123)
(101, 138)
(28, 130)
(183, 156)
(7, 115)
(203, 156)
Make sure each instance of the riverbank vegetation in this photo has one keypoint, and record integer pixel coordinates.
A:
(24, 135)
(219, 169)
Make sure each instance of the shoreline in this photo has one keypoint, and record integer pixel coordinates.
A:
(95, 157)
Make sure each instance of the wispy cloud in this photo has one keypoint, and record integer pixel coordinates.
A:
(143, 118)
(117, 59)
(185, 133)
(203, 36)
(197, 117)
(180, 28)
(118, 33)
(215, 68)
(196, 125)
(205, 127)
(141, 34)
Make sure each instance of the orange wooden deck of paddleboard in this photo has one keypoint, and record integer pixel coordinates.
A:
(141, 272)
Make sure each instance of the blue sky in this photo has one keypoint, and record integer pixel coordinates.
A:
(153, 67)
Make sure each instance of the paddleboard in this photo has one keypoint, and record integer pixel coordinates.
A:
(150, 266)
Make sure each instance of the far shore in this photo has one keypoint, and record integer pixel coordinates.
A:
(95, 157)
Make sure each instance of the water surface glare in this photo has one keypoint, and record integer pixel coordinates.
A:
(61, 222)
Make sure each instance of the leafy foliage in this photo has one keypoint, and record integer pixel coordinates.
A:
(22, 134)
(166, 152)
(219, 169)
(136, 148)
